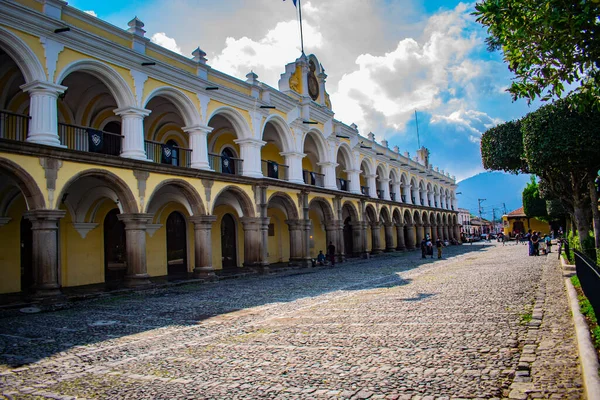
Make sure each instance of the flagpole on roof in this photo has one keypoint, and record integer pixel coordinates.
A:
(301, 36)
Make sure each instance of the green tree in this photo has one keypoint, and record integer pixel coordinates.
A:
(533, 205)
(502, 148)
(547, 44)
(561, 146)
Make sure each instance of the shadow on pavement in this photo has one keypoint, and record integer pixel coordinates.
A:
(27, 338)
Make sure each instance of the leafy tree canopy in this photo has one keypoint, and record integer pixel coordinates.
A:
(547, 44)
(533, 205)
(502, 148)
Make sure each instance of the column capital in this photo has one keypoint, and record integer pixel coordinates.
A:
(372, 176)
(135, 111)
(45, 215)
(203, 222)
(399, 224)
(388, 224)
(352, 171)
(197, 129)
(38, 86)
(295, 224)
(251, 223)
(250, 142)
(327, 164)
(384, 180)
(292, 154)
(135, 220)
(375, 224)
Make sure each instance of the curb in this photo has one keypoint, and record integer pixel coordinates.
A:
(568, 269)
(587, 353)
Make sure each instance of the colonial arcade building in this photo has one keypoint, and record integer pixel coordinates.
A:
(121, 160)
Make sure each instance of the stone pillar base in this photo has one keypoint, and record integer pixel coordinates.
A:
(390, 250)
(205, 273)
(376, 251)
(133, 281)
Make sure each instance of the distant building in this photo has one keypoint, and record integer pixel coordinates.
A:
(480, 225)
(517, 222)
(464, 219)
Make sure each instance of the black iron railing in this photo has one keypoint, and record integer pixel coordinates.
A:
(343, 184)
(83, 138)
(393, 196)
(14, 126)
(403, 197)
(166, 154)
(225, 165)
(413, 199)
(313, 178)
(589, 277)
(272, 169)
(379, 194)
(364, 190)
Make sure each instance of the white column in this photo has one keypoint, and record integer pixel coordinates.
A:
(250, 149)
(354, 178)
(199, 146)
(328, 169)
(405, 190)
(43, 126)
(132, 129)
(397, 192)
(294, 163)
(372, 183)
(385, 182)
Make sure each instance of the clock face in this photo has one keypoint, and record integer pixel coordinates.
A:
(313, 84)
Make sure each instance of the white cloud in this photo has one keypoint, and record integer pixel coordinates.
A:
(92, 13)
(472, 122)
(385, 90)
(279, 47)
(161, 39)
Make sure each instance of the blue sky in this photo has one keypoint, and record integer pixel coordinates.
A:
(383, 58)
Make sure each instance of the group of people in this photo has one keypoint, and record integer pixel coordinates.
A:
(322, 260)
(427, 247)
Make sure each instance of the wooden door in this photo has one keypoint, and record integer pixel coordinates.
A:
(228, 242)
(115, 265)
(176, 245)
(27, 276)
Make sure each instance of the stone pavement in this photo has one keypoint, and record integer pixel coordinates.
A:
(391, 327)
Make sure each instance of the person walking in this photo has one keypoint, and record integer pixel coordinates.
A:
(423, 248)
(439, 245)
(331, 253)
(529, 243)
(548, 241)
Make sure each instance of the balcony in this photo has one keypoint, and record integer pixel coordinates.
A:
(364, 190)
(436, 204)
(393, 196)
(272, 169)
(14, 126)
(414, 201)
(379, 194)
(422, 202)
(313, 178)
(166, 154)
(403, 197)
(343, 184)
(225, 165)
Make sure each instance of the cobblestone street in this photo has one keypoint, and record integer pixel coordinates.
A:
(391, 327)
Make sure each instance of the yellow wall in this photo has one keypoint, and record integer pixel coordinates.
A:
(96, 30)
(10, 249)
(228, 84)
(171, 61)
(529, 223)
(307, 165)
(270, 152)
(220, 211)
(223, 140)
(319, 237)
(36, 5)
(278, 246)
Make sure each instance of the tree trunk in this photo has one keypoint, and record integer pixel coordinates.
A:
(580, 216)
(595, 212)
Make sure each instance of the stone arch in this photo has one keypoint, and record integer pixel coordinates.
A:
(182, 102)
(370, 214)
(107, 75)
(124, 194)
(325, 207)
(282, 129)
(416, 218)
(345, 152)
(23, 56)
(242, 198)
(319, 140)
(241, 127)
(351, 210)
(370, 167)
(394, 176)
(407, 220)
(384, 215)
(190, 195)
(27, 185)
(287, 202)
(384, 171)
(396, 216)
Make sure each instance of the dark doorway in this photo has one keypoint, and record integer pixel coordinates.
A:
(112, 142)
(115, 265)
(176, 246)
(518, 227)
(348, 240)
(228, 242)
(27, 276)
(174, 152)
